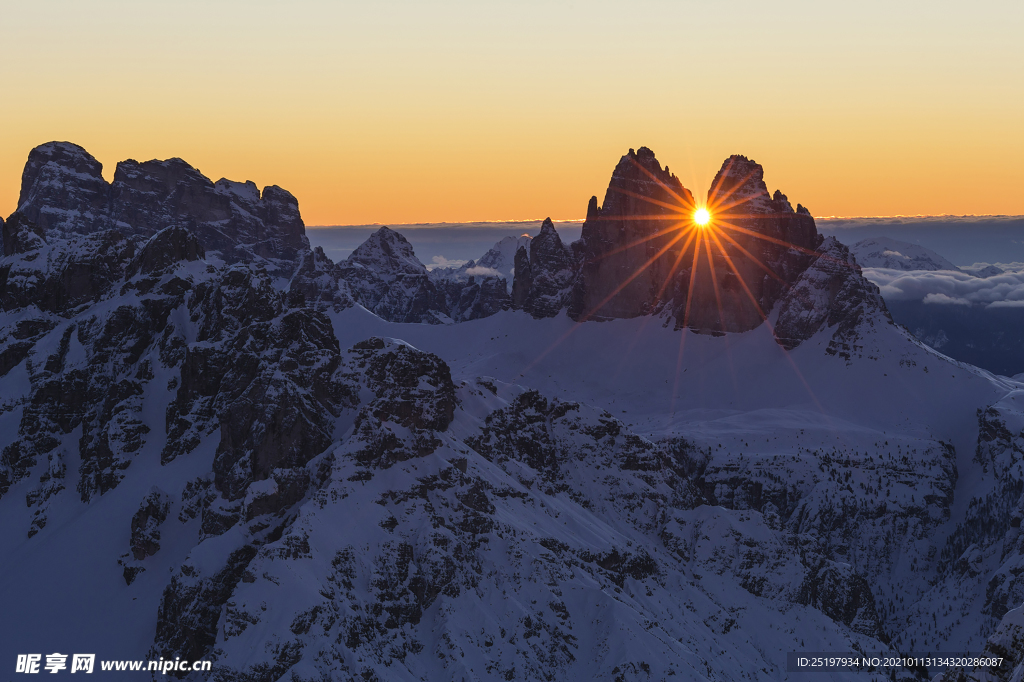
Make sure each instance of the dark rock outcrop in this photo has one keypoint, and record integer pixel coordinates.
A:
(642, 253)
(68, 275)
(146, 524)
(755, 248)
(473, 296)
(414, 398)
(545, 276)
(63, 191)
(629, 248)
(20, 235)
(165, 249)
(642, 250)
(314, 284)
(843, 596)
(831, 292)
(385, 277)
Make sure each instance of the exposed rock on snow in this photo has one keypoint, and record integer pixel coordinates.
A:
(63, 191)
(544, 274)
(831, 292)
(386, 278)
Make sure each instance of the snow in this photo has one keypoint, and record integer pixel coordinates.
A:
(883, 252)
(871, 432)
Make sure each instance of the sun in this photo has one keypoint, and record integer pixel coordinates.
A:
(701, 217)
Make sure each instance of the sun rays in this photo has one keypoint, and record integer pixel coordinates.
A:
(709, 266)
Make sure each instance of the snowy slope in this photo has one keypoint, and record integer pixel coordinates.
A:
(883, 252)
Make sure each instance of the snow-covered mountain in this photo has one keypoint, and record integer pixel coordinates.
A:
(499, 262)
(883, 252)
(305, 470)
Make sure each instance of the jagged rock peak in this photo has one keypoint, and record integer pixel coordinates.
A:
(627, 238)
(544, 275)
(739, 188)
(64, 192)
(781, 203)
(389, 250)
(63, 188)
(640, 173)
(63, 157)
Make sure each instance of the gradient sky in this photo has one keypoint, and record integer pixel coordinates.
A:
(398, 111)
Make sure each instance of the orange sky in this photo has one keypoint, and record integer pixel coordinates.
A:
(397, 111)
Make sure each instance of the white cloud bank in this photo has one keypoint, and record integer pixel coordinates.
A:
(481, 271)
(442, 262)
(947, 287)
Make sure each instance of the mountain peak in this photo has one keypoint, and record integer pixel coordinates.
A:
(64, 192)
(63, 186)
(739, 188)
(641, 253)
(389, 250)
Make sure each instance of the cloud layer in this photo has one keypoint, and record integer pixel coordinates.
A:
(947, 287)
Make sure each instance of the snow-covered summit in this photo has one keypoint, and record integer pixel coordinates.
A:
(64, 193)
(883, 252)
(388, 253)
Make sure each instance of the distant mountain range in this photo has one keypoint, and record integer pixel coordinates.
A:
(659, 451)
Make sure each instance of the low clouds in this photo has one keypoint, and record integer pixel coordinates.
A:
(942, 299)
(442, 262)
(947, 287)
(481, 271)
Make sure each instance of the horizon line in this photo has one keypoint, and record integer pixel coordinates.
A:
(455, 223)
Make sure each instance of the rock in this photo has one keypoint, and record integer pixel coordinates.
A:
(627, 252)
(63, 190)
(642, 254)
(166, 249)
(275, 405)
(146, 523)
(414, 398)
(845, 597)
(501, 257)
(68, 275)
(758, 247)
(544, 281)
(20, 235)
(385, 277)
(315, 285)
(471, 297)
(831, 292)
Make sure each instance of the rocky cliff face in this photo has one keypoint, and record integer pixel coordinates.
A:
(64, 193)
(544, 274)
(642, 254)
(628, 252)
(753, 252)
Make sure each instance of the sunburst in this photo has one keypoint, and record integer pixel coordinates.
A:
(707, 228)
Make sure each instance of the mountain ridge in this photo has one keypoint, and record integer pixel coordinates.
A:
(305, 469)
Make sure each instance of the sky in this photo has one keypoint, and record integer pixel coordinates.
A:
(401, 112)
